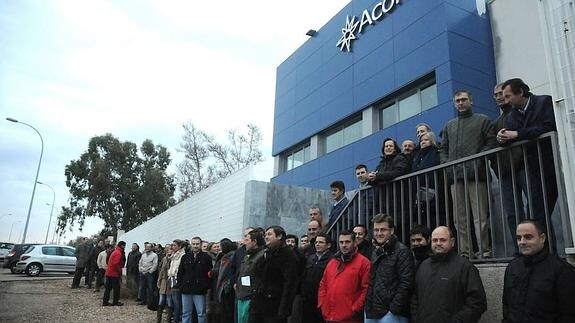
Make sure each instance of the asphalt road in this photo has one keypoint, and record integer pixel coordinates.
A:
(6, 276)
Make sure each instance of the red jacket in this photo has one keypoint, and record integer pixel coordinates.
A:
(115, 264)
(341, 295)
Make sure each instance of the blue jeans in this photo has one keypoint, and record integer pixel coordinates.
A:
(177, 305)
(146, 287)
(165, 299)
(388, 318)
(188, 302)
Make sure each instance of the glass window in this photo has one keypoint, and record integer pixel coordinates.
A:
(388, 116)
(333, 141)
(429, 97)
(352, 133)
(306, 154)
(409, 106)
(50, 251)
(298, 158)
(289, 162)
(68, 252)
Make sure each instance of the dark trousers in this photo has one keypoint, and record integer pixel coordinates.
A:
(100, 278)
(77, 277)
(90, 275)
(227, 307)
(310, 312)
(146, 286)
(112, 283)
(263, 318)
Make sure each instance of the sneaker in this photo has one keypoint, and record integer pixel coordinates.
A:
(118, 304)
(138, 300)
(106, 304)
(96, 290)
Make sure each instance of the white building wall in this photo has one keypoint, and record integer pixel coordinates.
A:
(212, 214)
(518, 43)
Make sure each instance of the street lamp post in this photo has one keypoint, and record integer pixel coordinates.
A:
(12, 228)
(52, 210)
(35, 181)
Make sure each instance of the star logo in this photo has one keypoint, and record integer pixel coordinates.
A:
(348, 34)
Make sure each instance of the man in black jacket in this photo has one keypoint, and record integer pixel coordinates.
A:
(391, 275)
(447, 286)
(538, 287)
(312, 276)
(133, 270)
(193, 281)
(276, 279)
(531, 116)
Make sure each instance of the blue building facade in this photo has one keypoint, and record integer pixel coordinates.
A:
(334, 107)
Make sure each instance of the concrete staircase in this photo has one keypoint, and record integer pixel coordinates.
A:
(492, 277)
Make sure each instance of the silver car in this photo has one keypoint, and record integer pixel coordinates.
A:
(45, 258)
(5, 248)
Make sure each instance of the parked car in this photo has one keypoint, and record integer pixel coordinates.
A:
(12, 258)
(47, 258)
(5, 248)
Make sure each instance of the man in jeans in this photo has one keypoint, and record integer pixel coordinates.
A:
(148, 265)
(193, 281)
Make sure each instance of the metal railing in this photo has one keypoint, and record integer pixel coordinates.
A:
(481, 198)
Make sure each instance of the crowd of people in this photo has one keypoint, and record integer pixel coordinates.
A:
(364, 275)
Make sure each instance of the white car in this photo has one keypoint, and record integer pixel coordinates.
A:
(44, 258)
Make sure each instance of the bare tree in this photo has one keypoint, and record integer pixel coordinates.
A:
(208, 161)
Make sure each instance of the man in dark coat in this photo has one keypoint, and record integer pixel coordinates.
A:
(193, 281)
(312, 275)
(82, 260)
(448, 287)
(339, 201)
(531, 116)
(276, 278)
(362, 241)
(538, 287)
(391, 275)
(133, 270)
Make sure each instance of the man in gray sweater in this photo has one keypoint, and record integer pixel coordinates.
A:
(468, 134)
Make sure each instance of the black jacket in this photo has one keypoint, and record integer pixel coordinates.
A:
(312, 276)
(389, 168)
(365, 248)
(538, 119)
(193, 273)
(391, 280)
(447, 289)
(539, 289)
(133, 263)
(276, 277)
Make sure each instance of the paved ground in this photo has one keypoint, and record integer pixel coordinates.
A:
(48, 298)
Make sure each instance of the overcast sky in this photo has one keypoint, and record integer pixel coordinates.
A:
(137, 69)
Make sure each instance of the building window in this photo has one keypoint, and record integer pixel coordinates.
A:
(342, 135)
(298, 156)
(408, 103)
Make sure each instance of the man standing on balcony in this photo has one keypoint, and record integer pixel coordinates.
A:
(508, 161)
(531, 116)
(538, 286)
(447, 287)
(468, 134)
(339, 201)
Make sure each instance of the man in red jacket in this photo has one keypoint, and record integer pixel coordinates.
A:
(113, 275)
(342, 289)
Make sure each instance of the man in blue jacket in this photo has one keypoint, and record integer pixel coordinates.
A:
(531, 116)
